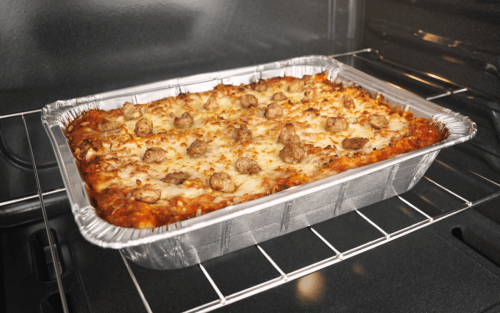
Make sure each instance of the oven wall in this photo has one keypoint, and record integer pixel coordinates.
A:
(57, 50)
(458, 40)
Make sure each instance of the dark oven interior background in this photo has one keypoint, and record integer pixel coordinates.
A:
(447, 51)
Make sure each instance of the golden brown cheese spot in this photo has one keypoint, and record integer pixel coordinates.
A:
(347, 102)
(185, 121)
(130, 112)
(288, 135)
(243, 133)
(143, 127)
(176, 178)
(308, 79)
(378, 121)
(147, 194)
(107, 125)
(247, 166)
(211, 103)
(248, 101)
(292, 153)
(354, 143)
(197, 148)
(154, 155)
(309, 95)
(222, 182)
(397, 136)
(194, 183)
(158, 111)
(279, 96)
(273, 111)
(335, 124)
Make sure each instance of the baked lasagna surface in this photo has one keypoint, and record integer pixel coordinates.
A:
(153, 164)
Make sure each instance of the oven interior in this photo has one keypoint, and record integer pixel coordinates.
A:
(434, 248)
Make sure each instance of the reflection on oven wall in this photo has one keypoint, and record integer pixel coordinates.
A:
(65, 50)
(455, 40)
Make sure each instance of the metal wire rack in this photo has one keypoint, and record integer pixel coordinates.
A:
(446, 89)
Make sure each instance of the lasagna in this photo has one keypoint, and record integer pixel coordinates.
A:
(152, 164)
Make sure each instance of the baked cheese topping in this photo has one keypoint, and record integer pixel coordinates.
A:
(152, 164)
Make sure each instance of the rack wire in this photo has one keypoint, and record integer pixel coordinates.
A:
(284, 277)
(53, 249)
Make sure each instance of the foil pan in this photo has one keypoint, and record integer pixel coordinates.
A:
(235, 227)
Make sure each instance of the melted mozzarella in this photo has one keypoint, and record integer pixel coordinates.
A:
(217, 126)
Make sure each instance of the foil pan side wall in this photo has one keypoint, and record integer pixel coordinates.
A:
(56, 116)
(244, 231)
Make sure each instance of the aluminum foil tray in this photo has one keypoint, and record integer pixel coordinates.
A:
(208, 236)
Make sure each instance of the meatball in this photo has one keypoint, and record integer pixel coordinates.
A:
(222, 182)
(288, 135)
(378, 121)
(296, 85)
(176, 178)
(261, 87)
(154, 154)
(143, 127)
(347, 102)
(279, 96)
(147, 194)
(273, 110)
(211, 103)
(243, 133)
(130, 112)
(248, 101)
(197, 148)
(247, 166)
(292, 153)
(185, 121)
(354, 143)
(335, 124)
(106, 125)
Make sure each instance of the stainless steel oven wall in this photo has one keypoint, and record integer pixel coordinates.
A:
(454, 39)
(60, 50)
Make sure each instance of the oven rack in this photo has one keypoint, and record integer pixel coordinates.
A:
(442, 85)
